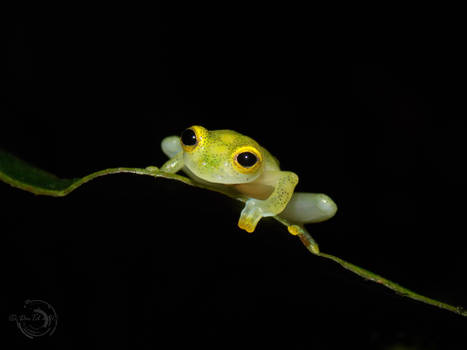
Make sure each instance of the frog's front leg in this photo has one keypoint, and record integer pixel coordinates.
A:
(172, 148)
(284, 183)
(174, 164)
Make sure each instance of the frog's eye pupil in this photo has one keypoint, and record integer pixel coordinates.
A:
(247, 159)
(189, 137)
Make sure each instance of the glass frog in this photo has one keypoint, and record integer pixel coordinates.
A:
(228, 158)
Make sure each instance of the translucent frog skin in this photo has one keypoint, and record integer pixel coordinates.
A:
(227, 158)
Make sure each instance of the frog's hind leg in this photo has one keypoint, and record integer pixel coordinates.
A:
(306, 208)
(171, 146)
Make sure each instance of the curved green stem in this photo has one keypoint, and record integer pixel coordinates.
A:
(394, 286)
(308, 241)
(20, 174)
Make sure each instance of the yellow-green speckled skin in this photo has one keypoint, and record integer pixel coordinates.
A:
(267, 189)
(212, 161)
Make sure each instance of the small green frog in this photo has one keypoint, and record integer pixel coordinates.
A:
(228, 158)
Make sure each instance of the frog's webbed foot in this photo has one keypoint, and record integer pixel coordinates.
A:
(250, 215)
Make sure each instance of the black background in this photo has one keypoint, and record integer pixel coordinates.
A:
(127, 260)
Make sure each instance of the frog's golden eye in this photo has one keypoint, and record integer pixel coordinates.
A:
(247, 159)
(192, 137)
(189, 137)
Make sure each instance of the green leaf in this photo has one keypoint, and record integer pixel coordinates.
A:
(24, 176)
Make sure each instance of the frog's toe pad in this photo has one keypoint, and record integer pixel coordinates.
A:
(152, 169)
(294, 229)
(249, 218)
